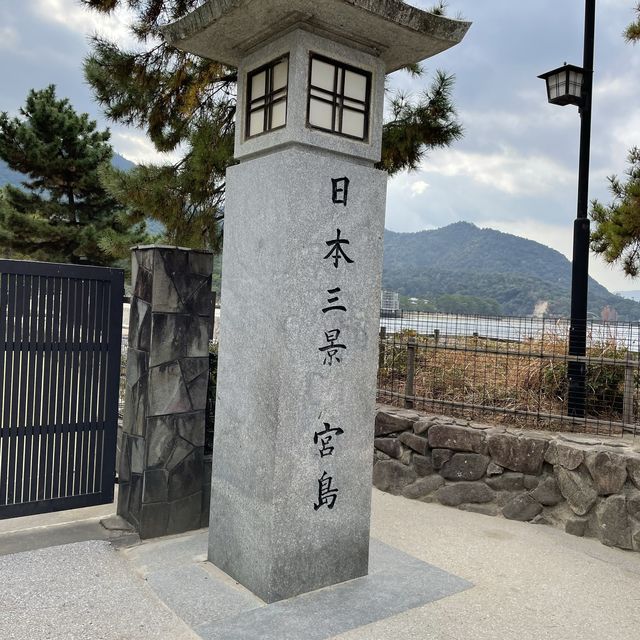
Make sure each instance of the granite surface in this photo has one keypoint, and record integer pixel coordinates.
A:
(280, 383)
(81, 591)
(299, 44)
(217, 608)
(402, 34)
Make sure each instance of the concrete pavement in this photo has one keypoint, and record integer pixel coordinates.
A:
(80, 591)
(527, 582)
(531, 582)
(29, 533)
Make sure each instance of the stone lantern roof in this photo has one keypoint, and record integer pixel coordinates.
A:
(229, 30)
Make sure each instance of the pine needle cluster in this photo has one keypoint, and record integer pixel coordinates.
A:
(632, 32)
(617, 225)
(188, 104)
(617, 234)
(62, 213)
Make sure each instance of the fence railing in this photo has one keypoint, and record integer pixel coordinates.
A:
(510, 370)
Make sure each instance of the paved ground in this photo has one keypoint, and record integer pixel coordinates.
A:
(81, 591)
(528, 582)
(531, 582)
(218, 608)
(63, 527)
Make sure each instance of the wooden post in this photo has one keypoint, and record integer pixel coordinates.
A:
(381, 347)
(436, 335)
(212, 328)
(409, 390)
(629, 392)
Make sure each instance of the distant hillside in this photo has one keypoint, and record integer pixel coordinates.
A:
(511, 275)
(7, 176)
(119, 162)
(634, 294)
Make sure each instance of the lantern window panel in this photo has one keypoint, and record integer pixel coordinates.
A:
(564, 85)
(352, 122)
(575, 83)
(267, 97)
(355, 85)
(339, 98)
(556, 85)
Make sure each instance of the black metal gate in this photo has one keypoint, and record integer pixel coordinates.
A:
(60, 345)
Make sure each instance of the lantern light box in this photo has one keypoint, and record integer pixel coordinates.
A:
(564, 85)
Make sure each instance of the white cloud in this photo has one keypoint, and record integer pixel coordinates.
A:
(615, 86)
(418, 187)
(530, 112)
(84, 21)
(626, 133)
(622, 4)
(138, 148)
(9, 37)
(505, 170)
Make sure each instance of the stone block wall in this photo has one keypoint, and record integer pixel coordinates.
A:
(161, 466)
(587, 485)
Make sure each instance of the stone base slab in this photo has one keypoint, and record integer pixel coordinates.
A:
(218, 608)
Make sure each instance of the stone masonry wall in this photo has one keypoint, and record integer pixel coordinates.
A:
(162, 464)
(587, 485)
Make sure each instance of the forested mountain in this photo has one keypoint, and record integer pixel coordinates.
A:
(463, 269)
(7, 176)
(469, 270)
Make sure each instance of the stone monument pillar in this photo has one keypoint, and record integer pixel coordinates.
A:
(304, 223)
(162, 449)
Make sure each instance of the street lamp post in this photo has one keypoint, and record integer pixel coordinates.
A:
(562, 89)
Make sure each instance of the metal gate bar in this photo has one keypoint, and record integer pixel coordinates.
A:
(60, 342)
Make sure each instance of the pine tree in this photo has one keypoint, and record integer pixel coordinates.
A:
(617, 233)
(632, 33)
(617, 225)
(183, 101)
(62, 214)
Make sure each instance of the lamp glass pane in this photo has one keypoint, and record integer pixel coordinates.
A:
(575, 83)
(267, 89)
(556, 85)
(279, 114)
(258, 85)
(320, 114)
(280, 72)
(353, 123)
(353, 105)
(338, 98)
(322, 74)
(256, 122)
(355, 86)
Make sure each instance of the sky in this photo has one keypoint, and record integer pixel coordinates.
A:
(515, 169)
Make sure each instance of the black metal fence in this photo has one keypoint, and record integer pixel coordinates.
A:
(60, 331)
(510, 370)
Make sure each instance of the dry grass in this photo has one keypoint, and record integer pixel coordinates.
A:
(498, 379)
